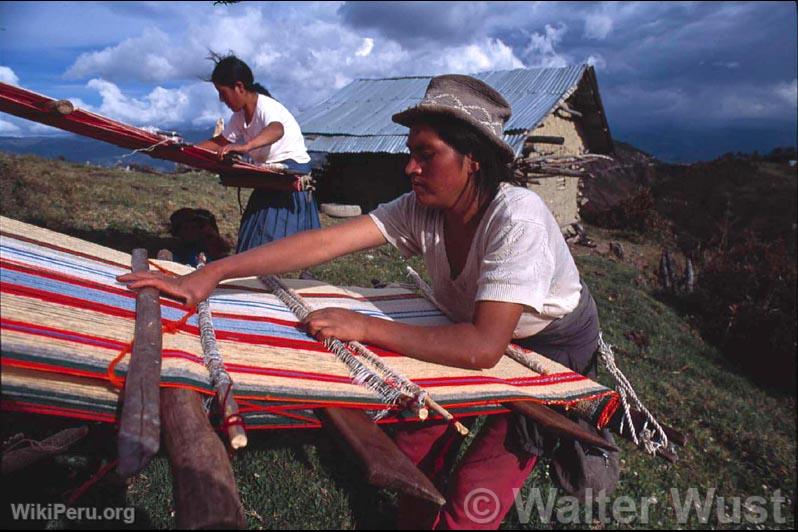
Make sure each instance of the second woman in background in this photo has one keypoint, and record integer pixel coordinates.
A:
(262, 128)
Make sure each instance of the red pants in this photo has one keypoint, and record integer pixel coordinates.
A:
(479, 493)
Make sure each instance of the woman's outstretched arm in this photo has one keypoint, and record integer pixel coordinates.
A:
(292, 253)
(476, 345)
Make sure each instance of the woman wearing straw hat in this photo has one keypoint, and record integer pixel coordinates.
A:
(497, 261)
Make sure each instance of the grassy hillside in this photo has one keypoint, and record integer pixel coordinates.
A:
(743, 438)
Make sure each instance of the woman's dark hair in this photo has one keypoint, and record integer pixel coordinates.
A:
(466, 140)
(229, 69)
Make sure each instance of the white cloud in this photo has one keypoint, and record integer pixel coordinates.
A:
(297, 71)
(194, 103)
(489, 54)
(366, 48)
(718, 103)
(597, 26)
(7, 128)
(596, 61)
(7, 76)
(727, 64)
(541, 50)
(787, 92)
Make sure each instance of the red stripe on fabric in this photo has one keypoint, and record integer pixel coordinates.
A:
(77, 281)
(6, 323)
(254, 318)
(50, 297)
(283, 427)
(51, 368)
(10, 405)
(558, 402)
(313, 376)
(85, 339)
(332, 295)
(543, 380)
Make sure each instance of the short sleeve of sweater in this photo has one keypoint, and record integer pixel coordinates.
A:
(518, 265)
(399, 223)
(234, 130)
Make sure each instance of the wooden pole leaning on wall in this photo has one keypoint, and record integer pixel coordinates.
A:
(203, 485)
(140, 420)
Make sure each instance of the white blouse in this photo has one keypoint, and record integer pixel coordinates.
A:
(518, 255)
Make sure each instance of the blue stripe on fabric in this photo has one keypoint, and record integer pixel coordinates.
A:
(59, 262)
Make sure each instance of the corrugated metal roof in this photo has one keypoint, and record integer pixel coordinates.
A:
(357, 118)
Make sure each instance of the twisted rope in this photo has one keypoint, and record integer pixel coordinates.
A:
(626, 392)
(220, 379)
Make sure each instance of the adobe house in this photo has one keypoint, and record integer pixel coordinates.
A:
(558, 121)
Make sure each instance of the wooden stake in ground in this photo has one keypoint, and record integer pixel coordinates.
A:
(203, 486)
(140, 420)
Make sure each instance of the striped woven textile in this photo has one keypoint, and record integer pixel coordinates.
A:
(64, 318)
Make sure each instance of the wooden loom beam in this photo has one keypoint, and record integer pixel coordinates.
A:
(558, 423)
(384, 465)
(204, 487)
(140, 421)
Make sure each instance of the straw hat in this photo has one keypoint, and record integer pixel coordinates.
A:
(468, 99)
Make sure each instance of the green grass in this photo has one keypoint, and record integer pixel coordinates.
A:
(742, 438)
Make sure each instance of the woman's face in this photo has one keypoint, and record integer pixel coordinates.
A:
(232, 97)
(438, 173)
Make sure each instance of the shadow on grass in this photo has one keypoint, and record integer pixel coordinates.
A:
(778, 382)
(35, 496)
(371, 508)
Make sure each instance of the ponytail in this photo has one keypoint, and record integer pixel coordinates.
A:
(257, 87)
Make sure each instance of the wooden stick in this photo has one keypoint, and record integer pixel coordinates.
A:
(435, 407)
(140, 421)
(204, 488)
(544, 139)
(220, 379)
(558, 423)
(55, 444)
(203, 485)
(385, 466)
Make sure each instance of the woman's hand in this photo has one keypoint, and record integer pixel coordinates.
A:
(231, 148)
(191, 288)
(345, 325)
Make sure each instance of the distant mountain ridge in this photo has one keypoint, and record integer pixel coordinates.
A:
(667, 144)
(79, 149)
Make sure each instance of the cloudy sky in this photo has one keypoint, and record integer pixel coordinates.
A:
(675, 70)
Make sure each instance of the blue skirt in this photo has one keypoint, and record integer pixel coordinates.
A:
(271, 215)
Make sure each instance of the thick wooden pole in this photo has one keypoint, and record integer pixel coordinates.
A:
(558, 423)
(203, 486)
(140, 421)
(384, 465)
